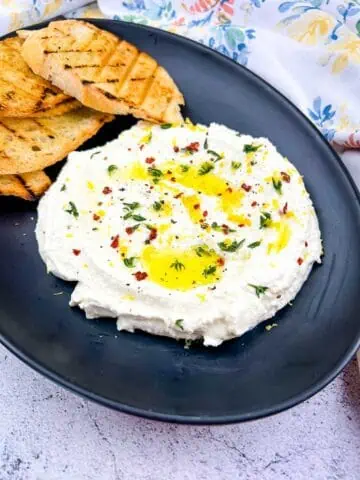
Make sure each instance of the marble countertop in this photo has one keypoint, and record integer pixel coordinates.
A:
(48, 433)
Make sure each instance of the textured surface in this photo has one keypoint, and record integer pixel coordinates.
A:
(47, 433)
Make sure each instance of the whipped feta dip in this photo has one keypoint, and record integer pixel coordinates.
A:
(185, 231)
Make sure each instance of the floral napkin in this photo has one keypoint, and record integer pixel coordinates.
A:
(307, 49)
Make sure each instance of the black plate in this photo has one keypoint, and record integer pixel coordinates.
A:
(256, 375)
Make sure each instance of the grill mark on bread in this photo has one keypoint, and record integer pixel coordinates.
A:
(49, 52)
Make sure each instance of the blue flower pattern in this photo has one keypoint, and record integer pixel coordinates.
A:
(323, 117)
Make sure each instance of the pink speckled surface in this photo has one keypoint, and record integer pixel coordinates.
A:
(47, 433)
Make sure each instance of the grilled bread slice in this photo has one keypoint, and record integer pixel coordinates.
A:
(102, 71)
(29, 144)
(28, 186)
(22, 93)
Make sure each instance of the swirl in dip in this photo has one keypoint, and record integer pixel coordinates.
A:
(184, 231)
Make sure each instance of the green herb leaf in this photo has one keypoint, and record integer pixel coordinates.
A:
(72, 210)
(138, 218)
(202, 251)
(63, 188)
(265, 219)
(178, 266)
(259, 289)
(277, 184)
(216, 155)
(251, 148)
(165, 126)
(235, 165)
(179, 323)
(155, 173)
(231, 247)
(185, 168)
(129, 262)
(157, 206)
(112, 169)
(205, 168)
(209, 271)
(132, 206)
(254, 244)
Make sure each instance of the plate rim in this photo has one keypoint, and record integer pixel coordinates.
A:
(201, 419)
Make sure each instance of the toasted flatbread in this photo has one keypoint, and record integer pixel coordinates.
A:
(28, 186)
(60, 109)
(22, 93)
(102, 71)
(29, 144)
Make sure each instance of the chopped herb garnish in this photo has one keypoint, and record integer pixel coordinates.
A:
(155, 173)
(231, 247)
(205, 168)
(132, 206)
(206, 143)
(216, 155)
(265, 219)
(165, 126)
(138, 218)
(209, 271)
(179, 323)
(259, 289)
(251, 148)
(63, 188)
(72, 210)
(112, 169)
(235, 165)
(220, 228)
(157, 206)
(202, 251)
(254, 244)
(178, 266)
(188, 343)
(129, 262)
(277, 184)
(185, 168)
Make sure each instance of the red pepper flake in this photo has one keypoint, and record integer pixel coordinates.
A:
(225, 229)
(179, 195)
(151, 187)
(150, 160)
(140, 276)
(152, 235)
(76, 252)
(245, 187)
(141, 147)
(96, 217)
(306, 244)
(129, 230)
(115, 242)
(241, 225)
(220, 261)
(176, 149)
(285, 208)
(129, 149)
(197, 206)
(205, 213)
(285, 176)
(254, 204)
(300, 261)
(173, 179)
(106, 190)
(229, 189)
(193, 147)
